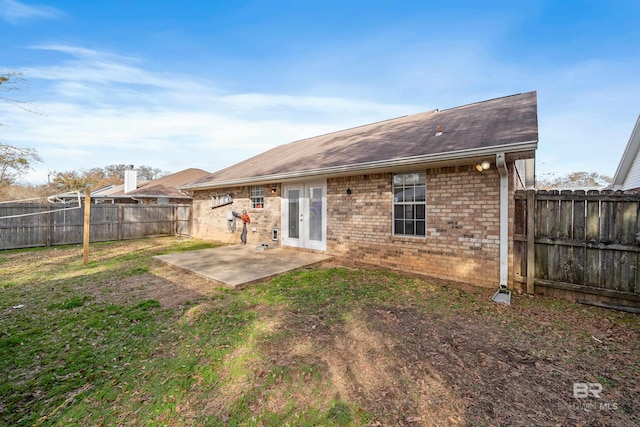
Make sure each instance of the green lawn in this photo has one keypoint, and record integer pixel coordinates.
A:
(127, 340)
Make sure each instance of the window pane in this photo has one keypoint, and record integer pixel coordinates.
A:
(420, 194)
(315, 212)
(409, 195)
(397, 179)
(411, 178)
(398, 195)
(420, 212)
(294, 213)
(398, 212)
(398, 227)
(420, 228)
(422, 178)
(409, 227)
(408, 212)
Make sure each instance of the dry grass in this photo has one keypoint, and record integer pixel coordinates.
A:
(128, 341)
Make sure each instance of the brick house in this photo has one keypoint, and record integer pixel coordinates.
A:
(429, 193)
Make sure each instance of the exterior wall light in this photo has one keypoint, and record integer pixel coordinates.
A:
(274, 190)
(480, 167)
(349, 191)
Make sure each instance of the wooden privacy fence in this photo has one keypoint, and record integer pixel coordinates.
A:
(577, 244)
(31, 225)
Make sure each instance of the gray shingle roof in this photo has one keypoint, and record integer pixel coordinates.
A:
(498, 125)
(165, 186)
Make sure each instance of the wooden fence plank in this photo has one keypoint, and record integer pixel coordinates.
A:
(531, 204)
(592, 268)
(541, 229)
(593, 221)
(629, 226)
(579, 220)
(607, 272)
(63, 224)
(587, 240)
(565, 217)
(607, 222)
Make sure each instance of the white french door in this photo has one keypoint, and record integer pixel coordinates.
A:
(304, 215)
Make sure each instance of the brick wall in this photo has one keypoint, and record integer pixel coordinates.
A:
(211, 223)
(463, 225)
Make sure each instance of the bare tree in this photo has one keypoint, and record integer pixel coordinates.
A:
(13, 81)
(14, 161)
(99, 177)
(551, 181)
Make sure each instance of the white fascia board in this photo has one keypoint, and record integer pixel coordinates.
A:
(530, 174)
(152, 196)
(629, 155)
(382, 164)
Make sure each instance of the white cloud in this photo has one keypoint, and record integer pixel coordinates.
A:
(15, 12)
(99, 108)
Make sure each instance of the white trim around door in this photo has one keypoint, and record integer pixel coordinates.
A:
(304, 215)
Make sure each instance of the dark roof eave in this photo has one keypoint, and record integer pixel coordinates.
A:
(519, 147)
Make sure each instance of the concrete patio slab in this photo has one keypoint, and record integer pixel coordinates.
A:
(238, 265)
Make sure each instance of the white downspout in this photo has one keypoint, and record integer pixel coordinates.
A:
(501, 165)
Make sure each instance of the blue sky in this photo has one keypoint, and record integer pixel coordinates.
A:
(178, 84)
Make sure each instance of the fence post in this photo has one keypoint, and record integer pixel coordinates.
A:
(49, 225)
(87, 225)
(174, 220)
(120, 220)
(531, 242)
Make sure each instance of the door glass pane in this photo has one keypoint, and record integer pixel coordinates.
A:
(315, 213)
(294, 213)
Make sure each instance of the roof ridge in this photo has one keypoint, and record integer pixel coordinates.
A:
(486, 100)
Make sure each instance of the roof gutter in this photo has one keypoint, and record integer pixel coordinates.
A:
(381, 164)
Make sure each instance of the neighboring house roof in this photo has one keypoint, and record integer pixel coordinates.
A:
(165, 186)
(627, 175)
(113, 190)
(508, 124)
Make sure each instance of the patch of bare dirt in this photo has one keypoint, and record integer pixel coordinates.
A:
(412, 367)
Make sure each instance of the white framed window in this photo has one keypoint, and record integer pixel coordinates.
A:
(257, 197)
(409, 204)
